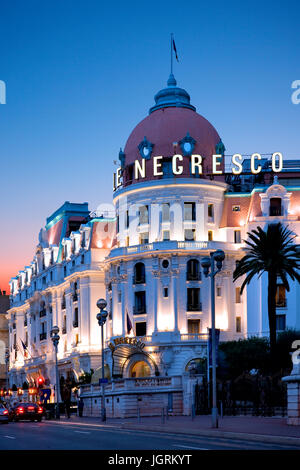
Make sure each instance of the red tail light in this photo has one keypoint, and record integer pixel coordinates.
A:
(31, 407)
(40, 410)
(20, 410)
(5, 412)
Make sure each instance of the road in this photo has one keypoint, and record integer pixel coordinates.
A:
(51, 435)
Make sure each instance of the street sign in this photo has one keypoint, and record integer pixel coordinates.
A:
(103, 381)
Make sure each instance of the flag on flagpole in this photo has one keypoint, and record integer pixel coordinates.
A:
(175, 50)
(24, 346)
(129, 324)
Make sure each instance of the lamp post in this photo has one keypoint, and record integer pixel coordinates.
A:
(101, 317)
(7, 367)
(55, 340)
(211, 266)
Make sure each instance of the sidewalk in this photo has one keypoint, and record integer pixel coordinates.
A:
(254, 428)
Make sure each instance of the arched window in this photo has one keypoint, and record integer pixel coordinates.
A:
(193, 270)
(139, 276)
(140, 369)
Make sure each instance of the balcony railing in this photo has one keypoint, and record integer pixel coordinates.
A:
(139, 310)
(75, 324)
(194, 337)
(275, 211)
(194, 307)
(138, 280)
(193, 276)
(43, 336)
(281, 303)
(43, 313)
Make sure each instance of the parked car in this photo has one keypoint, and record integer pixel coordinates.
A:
(4, 414)
(28, 411)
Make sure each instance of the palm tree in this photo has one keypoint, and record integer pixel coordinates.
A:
(272, 251)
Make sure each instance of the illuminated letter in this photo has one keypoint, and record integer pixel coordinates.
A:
(215, 164)
(279, 169)
(157, 166)
(235, 157)
(196, 161)
(255, 171)
(139, 169)
(119, 174)
(177, 171)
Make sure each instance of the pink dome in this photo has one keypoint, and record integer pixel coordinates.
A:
(168, 125)
(170, 121)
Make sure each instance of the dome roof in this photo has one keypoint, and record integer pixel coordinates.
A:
(171, 122)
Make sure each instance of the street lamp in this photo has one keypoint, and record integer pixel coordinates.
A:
(101, 317)
(55, 340)
(211, 266)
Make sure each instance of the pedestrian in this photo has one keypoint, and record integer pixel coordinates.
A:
(67, 398)
(80, 407)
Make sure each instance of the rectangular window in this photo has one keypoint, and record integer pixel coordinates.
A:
(144, 238)
(64, 328)
(237, 236)
(280, 296)
(127, 241)
(280, 322)
(139, 302)
(237, 295)
(118, 224)
(210, 212)
(238, 324)
(141, 328)
(193, 299)
(193, 327)
(210, 235)
(127, 219)
(219, 291)
(165, 209)
(275, 206)
(166, 235)
(82, 259)
(143, 215)
(119, 297)
(189, 234)
(166, 292)
(75, 322)
(190, 211)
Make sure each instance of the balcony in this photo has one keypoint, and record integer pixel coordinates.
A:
(75, 324)
(43, 336)
(194, 307)
(139, 310)
(282, 303)
(193, 276)
(138, 280)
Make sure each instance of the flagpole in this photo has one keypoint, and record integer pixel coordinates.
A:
(171, 53)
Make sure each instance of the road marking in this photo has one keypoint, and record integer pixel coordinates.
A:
(189, 447)
(83, 432)
(9, 437)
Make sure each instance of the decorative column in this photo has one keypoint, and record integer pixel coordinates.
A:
(175, 274)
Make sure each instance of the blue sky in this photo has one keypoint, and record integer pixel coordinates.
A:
(81, 74)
